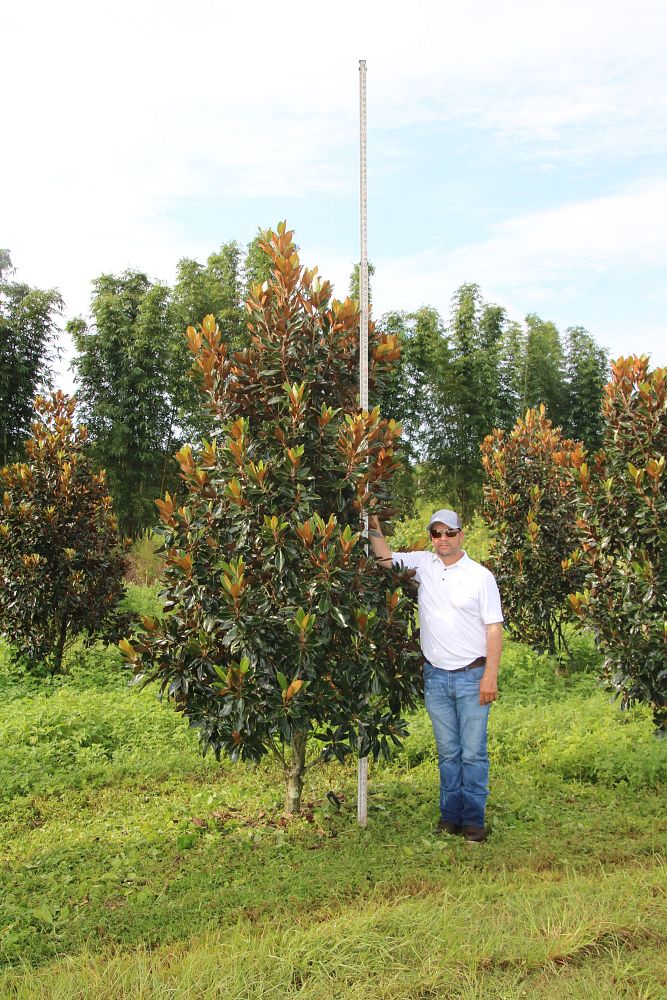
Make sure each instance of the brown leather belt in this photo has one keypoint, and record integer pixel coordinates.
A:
(479, 662)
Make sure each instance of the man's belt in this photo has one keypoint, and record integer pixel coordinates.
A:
(479, 662)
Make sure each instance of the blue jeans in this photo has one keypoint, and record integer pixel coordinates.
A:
(459, 725)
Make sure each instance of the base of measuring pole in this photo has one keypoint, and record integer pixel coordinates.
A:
(362, 791)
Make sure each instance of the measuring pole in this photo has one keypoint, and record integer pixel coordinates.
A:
(362, 767)
(363, 233)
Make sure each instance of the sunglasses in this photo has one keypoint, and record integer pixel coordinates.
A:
(447, 532)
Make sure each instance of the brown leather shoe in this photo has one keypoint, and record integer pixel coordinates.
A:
(474, 834)
(444, 826)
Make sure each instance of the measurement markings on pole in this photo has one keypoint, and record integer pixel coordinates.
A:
(362, 767)
(363, 264)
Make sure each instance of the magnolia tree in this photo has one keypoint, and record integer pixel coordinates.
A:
(529, 500)
(623, 527)
(278, 626)
(61, 565)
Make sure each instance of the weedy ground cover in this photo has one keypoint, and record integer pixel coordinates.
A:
(133, 868)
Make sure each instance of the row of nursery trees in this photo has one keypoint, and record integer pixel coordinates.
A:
(453, 383)
(278, 628)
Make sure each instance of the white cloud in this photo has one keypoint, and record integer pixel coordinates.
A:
(115, 115)
(626, 229)
(259, 99)
(543, 257)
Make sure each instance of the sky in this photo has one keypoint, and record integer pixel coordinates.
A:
(518, 145)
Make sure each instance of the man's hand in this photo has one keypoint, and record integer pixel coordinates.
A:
(381, 550)
(488, 687)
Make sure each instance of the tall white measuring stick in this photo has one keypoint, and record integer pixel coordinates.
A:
(362, 767)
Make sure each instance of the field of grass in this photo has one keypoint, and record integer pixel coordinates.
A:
(132, 868)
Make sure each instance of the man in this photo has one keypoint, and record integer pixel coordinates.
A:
(460, 620)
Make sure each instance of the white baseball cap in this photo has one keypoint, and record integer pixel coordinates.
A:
(448, 517)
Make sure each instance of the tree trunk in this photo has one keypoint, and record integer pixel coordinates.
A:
(294, 772)
(551, 639)
(60, 646)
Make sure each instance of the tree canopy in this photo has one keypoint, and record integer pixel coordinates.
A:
(61, 564)
(28, 335)
(529, 503)
(622, 521)
(279, 626)
(135, 393)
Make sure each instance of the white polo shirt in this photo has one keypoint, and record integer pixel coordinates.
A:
(456, 603)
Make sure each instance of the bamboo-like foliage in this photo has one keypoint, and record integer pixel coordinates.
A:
(28, 348)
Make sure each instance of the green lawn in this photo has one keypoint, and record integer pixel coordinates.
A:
(133, 868)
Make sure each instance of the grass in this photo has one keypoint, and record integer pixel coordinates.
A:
(508, 939)
(133, 868)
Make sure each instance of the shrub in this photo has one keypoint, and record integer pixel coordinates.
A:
(622, 509)
(142, 601)
(61, 565)
(278, 625)
(145, 563)
(579, 738)
(529, 500)
(70, 738)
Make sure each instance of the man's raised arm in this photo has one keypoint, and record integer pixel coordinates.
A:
(381, 550)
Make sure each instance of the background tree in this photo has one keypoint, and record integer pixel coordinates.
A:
(28, 332)
(201, 290)
(511, 376)
(257, 264)
(529, 501)
(132, 368)
(623, 523)
(123, 366)
(544, 370)
(473, 385)
(355, 283)
(458, 381)
(61, 568)
(215, 288)
(448, 390)
(278, 625)
(411, 394)
(587, 372)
